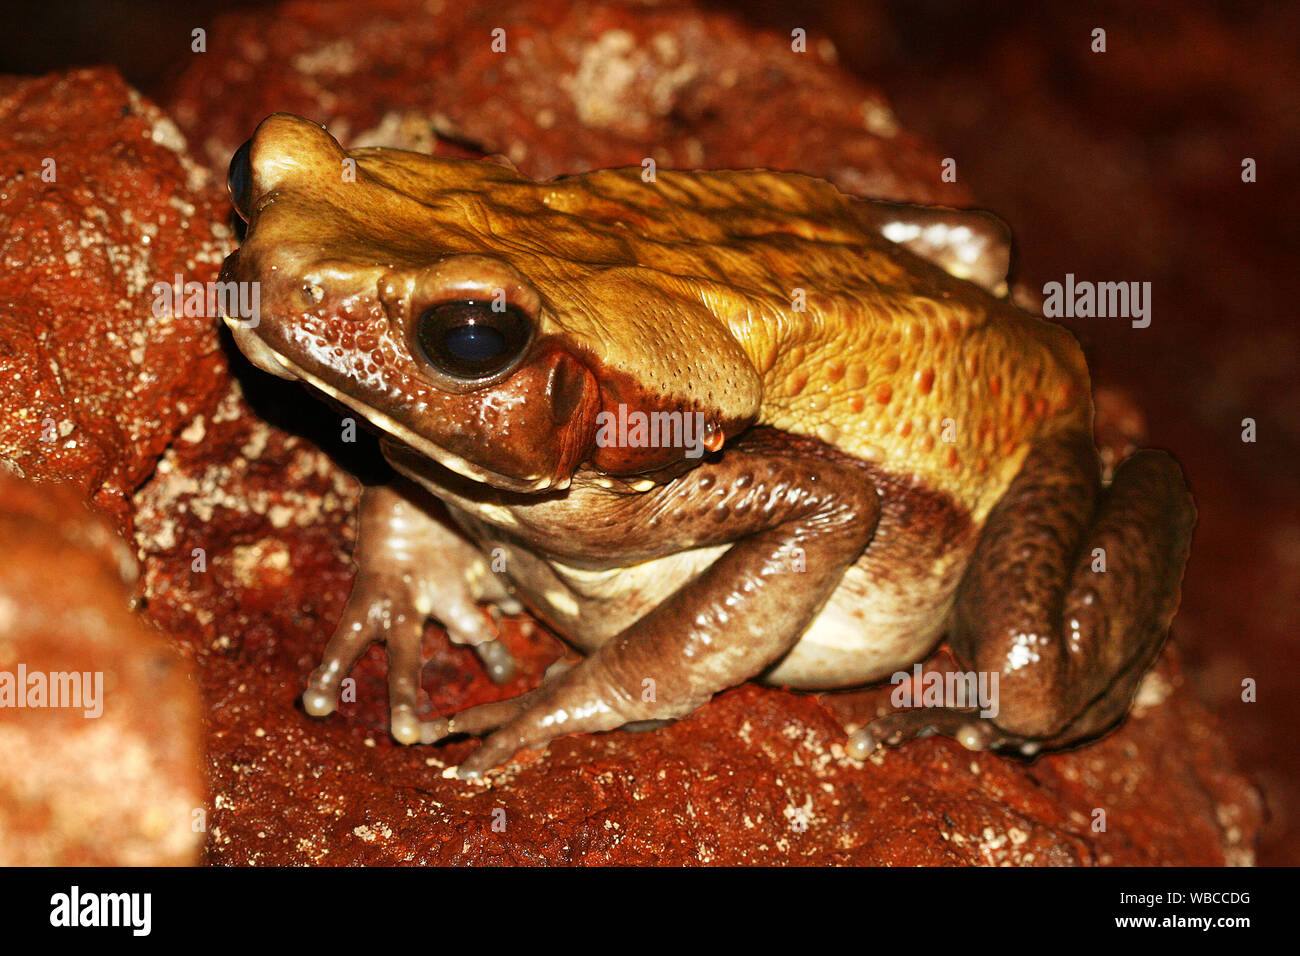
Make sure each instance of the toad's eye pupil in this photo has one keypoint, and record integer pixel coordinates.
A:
(471, 340)
(474, 343)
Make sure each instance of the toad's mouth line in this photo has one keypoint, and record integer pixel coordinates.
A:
(269, 360)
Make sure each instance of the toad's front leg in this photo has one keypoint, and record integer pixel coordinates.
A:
(797, 524)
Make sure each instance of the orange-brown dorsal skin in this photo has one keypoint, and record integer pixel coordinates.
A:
(757, 297)
(855, 340)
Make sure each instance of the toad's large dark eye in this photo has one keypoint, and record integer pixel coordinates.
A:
(239, 179)
(470, 339)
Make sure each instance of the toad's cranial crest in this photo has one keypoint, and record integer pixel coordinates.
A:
(894, 451)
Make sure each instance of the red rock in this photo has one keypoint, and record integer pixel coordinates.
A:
(93, 384)
(582, 85)
(117, 779)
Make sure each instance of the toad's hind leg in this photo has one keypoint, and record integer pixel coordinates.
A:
(1068, 598)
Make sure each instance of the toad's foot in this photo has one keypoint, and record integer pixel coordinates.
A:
(413, 568)
(963, 724)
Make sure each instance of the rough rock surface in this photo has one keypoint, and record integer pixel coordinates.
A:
(93, 383)
(112, 775)
(580, 85)
(98, 199)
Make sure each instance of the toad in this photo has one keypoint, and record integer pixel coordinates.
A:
(709, 427)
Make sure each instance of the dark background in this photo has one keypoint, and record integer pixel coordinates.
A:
(1123, 166)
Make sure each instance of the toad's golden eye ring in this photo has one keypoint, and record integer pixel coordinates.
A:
(239, 179)
(470, 340)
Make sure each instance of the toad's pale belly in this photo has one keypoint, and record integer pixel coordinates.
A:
(889, 609)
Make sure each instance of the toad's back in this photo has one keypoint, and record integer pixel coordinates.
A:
(857, 341)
